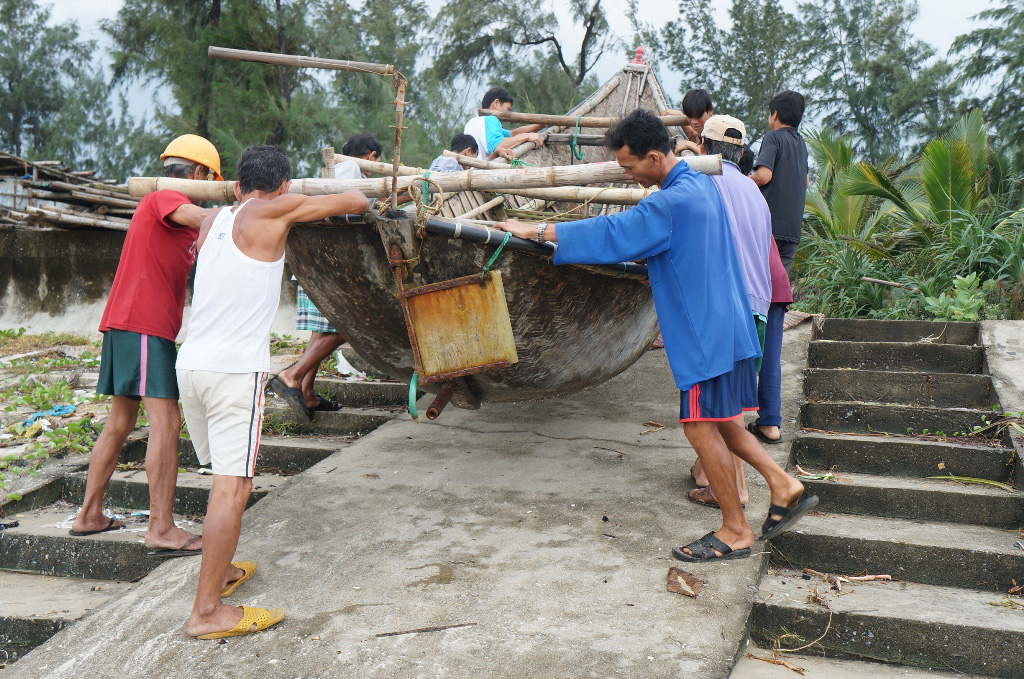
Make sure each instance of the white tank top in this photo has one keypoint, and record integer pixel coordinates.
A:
(234, 302)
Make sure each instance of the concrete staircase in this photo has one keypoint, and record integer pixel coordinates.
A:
(49, 579)
(873, 390)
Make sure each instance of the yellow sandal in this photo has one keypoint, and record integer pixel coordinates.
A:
(248, 567)
(261, 617)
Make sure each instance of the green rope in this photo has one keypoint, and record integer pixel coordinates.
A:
(577, 152)
(519, 162)
(494, 257)
(425, 192)
(413, 384)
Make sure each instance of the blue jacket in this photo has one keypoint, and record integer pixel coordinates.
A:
(683, 232)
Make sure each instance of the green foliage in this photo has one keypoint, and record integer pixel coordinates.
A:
(937, 230)
(992, 62)
(39, 64)
(963, 304)
(742, 66)
(870, 78)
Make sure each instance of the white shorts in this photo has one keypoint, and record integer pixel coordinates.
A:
(224, 415)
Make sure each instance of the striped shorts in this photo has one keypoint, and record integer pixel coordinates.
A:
(224, 416)
(721, 398)
(136, 365)
(308, 316)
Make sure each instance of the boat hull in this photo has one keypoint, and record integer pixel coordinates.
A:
(574, 329)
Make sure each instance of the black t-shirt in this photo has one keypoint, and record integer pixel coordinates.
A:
(784, 152)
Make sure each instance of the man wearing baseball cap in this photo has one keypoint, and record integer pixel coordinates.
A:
(139, 325)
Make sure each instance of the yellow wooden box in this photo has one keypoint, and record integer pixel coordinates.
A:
(460, 327)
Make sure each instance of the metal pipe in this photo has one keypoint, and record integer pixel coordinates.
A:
(487, 236)
(440, 401)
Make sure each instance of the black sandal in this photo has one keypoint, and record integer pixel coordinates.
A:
(704, 550)
(83, 533)
(756, 431)
(292, 396)
(162, 553)
(773, 527)
(326, 405)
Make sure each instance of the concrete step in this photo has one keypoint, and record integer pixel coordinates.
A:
(912, 356)
(35, 607)
(924, 499)
(353, 394)
(928, 552)
(129, 488)
(901, 456)
(868, 330)
(277, 454)
(940, 390)
(41, 545)
(944, 628)
(345, 422)
(816, 667)
(877, 418)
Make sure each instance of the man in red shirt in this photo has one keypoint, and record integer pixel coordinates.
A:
(139, 325)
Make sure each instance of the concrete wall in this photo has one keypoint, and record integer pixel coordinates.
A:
(59, 281)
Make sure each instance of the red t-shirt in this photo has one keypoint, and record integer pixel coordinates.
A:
(148, 294)
(781, 290)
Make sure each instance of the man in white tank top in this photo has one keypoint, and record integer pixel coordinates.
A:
(222, 366)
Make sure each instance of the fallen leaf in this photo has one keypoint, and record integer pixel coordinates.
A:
(682, 582)
(942, 465)
(372, 476)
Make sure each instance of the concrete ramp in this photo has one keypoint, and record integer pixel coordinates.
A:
(544, 528)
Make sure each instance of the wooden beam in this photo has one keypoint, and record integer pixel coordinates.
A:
(567, 121)
(298, 61)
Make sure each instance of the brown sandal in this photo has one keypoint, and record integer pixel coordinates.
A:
(706, 497)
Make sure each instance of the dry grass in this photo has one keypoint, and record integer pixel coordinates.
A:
(18, 342)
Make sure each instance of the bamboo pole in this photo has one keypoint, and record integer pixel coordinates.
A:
(77, 220)
(400, 85)
(105, 200)
(470, 161)
(570, 120)
(298, 61)
(472, 180)
(500, 181)
(493, 202)
(79, 213)
(376, 167)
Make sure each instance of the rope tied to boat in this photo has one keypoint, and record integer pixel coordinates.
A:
(574, 147)
(494, 257)
(519, 162)
(420, 195)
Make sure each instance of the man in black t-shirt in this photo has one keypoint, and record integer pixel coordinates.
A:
(781, 171)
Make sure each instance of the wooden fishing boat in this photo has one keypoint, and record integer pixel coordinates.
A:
(574, 327)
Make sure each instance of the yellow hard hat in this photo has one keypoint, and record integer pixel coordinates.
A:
(197, 149)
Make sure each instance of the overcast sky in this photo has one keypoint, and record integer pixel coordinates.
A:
(938, 22)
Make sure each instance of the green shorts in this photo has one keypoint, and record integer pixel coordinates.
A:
(135, 365)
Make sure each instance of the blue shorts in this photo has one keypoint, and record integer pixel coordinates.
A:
(721, 398)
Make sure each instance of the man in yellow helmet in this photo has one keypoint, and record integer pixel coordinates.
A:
(140, 322)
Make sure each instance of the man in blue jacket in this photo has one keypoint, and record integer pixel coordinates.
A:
(710, 340)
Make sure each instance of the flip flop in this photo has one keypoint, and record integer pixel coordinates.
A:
(326, 405)
(83, 533)
(292, 396)
(756, 431)
(773, 527)
(705, 497)
(261, 617)
(248, 567)
(180, 551)
(703, 550)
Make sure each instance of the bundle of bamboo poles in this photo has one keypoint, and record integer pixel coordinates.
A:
(534, 182)
(71, 201)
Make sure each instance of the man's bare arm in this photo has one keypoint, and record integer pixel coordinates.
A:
(294, 207)
(761, 176)
(190, 214)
